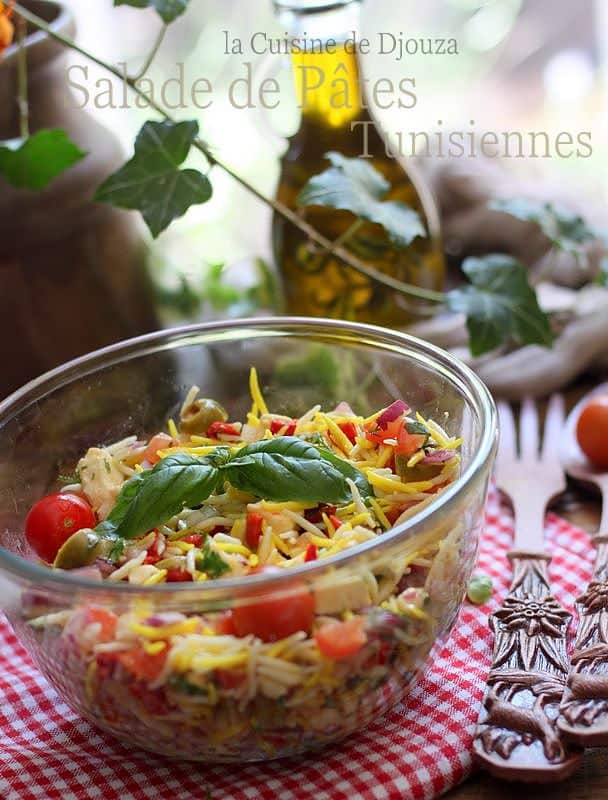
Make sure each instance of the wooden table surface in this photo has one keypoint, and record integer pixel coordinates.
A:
(591, 780)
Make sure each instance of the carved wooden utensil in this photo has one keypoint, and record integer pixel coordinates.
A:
(517, 737)
(584, 709)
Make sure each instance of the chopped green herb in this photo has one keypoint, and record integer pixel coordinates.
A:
(117, 550)
(211, 562)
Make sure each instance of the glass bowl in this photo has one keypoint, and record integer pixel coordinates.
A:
(295, 699)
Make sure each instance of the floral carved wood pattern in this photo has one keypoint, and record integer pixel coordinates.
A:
(584, 709)
(517, 736)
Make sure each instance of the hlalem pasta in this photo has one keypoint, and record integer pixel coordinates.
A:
(290, 663)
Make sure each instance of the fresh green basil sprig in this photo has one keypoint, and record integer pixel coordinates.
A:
(280, 469)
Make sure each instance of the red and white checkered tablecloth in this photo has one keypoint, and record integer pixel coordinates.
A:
(420, 749)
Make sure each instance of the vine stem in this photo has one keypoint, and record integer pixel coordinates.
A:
(22, 96)
(152, 54)
(280, 208)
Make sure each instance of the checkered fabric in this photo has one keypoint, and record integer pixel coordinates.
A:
(420, 749)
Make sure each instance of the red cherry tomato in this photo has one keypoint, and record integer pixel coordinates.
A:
(341, 639)
(592, 431)
(274, 615)
(54, 519)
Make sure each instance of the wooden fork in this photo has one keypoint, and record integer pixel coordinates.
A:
(517, 737)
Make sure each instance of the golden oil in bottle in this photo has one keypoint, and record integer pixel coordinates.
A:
(332, 99)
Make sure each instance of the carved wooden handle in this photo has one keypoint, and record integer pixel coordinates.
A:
(584, 708)
(517, 737)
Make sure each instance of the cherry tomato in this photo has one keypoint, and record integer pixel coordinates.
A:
(592, 431)
(274, 615)
(159, 442)
(143, 665)
(253, 532)
(54, 519)
(341, 639)
(224, 625)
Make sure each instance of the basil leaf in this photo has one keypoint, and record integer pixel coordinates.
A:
(354, 185)
(417, 428)
(286, 468)
(151, 498)
(346, 469)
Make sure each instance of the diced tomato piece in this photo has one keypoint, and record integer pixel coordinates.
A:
(159, 442)
(341, 639)
(409, 443)
(229, 678)
(105, 619)
(224, 625)
(349, 429)
(176, 575)
(311, 553)
(335, 521)
(156, 549)
(274, 615)
(393, 514)
(194, 538)
(253, 532)
(276, 425)
(143, 665)
(391, 430)
(154, 701)
(221, 427)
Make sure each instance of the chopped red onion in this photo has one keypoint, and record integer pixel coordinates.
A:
(438, 457)
(393, 412)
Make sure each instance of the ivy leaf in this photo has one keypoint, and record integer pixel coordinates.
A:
(168, 10)
(352, 184)
(499, 304)
(565, 230)
(151, 182)
(34, 163)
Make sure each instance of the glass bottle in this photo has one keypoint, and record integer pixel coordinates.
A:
(315, 283)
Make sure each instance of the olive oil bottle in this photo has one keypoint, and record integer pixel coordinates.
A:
(316, 283)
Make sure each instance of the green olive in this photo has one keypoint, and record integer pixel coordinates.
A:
(82, 548)
(200, 415)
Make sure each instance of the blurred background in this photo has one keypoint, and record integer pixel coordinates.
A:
(523, 65)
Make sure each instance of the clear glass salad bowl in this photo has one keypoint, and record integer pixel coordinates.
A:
(289, 707)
